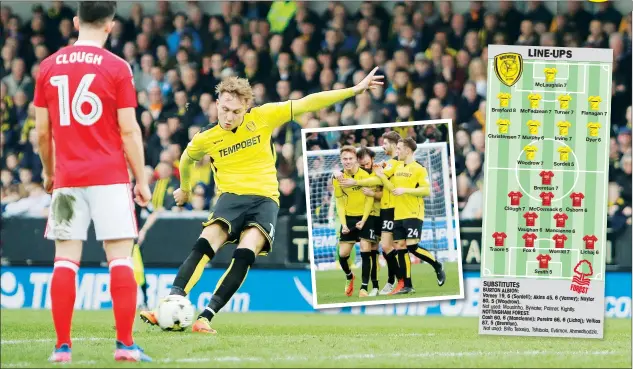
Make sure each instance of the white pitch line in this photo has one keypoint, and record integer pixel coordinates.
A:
(45, 340)
(553, 170)
(371, 355)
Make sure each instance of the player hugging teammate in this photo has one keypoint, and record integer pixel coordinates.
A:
(359, 218)
(404, 182)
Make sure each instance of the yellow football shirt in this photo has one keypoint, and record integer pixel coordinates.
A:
(387, 201)
(412, 175)
(563, 127)
(534, 100)
(594, 129)
(533, 126)
(564, 152)
(243, 159)
(594, 102)
(503, 124)
(564, 101)
(375, 211)
(504, 99)
(530, 152)
(353, 196)
(550, 74)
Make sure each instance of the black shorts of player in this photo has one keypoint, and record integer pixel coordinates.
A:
(407, 229)
(368, 232)
(369, 229)
(241, 211)
(386, 220)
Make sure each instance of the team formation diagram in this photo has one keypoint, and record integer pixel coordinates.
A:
(546, 173)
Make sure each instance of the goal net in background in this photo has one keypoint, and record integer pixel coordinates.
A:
(438, 228)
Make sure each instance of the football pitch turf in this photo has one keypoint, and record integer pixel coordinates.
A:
(330, 284)
(311, 340)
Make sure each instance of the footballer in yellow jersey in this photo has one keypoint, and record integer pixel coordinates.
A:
(594, 129)
(530, 152)
(564, 101)
(564, 152)
(353, 208)
(504, 99)
(550, 74)
(409, 184)
(534, 99)
(390, 142)
(503, 125)
(243, 159)
(594, 102)
(563, 127)
(533, 126)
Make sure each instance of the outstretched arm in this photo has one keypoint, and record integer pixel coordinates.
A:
(320, 100)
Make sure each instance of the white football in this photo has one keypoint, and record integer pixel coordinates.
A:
(175, 313)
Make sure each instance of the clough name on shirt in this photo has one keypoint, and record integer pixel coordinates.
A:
(240, 145)
(79, 57)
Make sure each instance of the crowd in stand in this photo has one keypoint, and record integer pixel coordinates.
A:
(433, 57)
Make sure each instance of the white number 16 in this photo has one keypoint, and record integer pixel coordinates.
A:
(82, 95)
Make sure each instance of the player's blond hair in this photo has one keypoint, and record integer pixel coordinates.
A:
(348, 148)
(239, 87)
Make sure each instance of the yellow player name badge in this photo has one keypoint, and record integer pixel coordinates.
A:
(508, 68)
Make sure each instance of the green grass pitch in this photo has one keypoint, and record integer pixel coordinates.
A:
(311, 340)
(330, 284)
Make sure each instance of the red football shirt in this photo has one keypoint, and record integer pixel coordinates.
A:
(83, 86)
(499, 238)
(576, 198)
(543, 261)
(560, 219)
(546, 177)
(547, 198)
(560, 240)
(530, 219)
(529, 239)
(590, 241)
(515, 198)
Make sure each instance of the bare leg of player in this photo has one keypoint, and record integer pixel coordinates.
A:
(365, 254)
(63, 293)
(390, 255)
(374, 269)
(123, 290)
(404, 267)
(251, 244)
(345, 248)
(211, 240)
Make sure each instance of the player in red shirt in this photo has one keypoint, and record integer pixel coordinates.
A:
(499, 238)
(529, 239)
(560, 240)
(547, 198)
(543, 261)
(515, 198)
(560, 219)
(590, 241)
(85, 105)
(576, 199)
(530, 219)
(546, 177)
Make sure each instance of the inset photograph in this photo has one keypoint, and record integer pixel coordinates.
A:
(382, 214)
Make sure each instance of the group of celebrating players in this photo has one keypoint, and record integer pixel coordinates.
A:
(382, 203)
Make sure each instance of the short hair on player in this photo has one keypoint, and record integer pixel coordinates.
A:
(96, 12)
(240, 87)
(409, 142)
(348, 148)
(392, 136)
(364, 151)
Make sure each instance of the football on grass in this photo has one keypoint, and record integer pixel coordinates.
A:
(175, 313)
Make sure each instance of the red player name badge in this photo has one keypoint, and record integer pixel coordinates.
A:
(580, 282)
